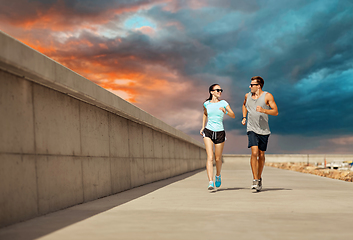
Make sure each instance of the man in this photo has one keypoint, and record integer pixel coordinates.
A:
(258, 104)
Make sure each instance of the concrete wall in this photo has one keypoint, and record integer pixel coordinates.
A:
(64, 140)
(310, 158)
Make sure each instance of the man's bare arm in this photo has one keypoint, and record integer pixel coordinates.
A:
(270, 101)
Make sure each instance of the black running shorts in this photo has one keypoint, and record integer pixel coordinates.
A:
(258, 140)
(216, 137)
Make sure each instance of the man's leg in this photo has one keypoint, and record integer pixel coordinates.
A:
(263, 140)
(261, 163)
(254, 162)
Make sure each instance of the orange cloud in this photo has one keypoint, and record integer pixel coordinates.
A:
(147, 30)
(37, 45)
(102, 45)
(92, 69)
(110, 72)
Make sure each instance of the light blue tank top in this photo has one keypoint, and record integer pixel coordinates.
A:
(215, 115)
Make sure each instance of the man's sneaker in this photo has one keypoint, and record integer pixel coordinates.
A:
(259, 185)
(211, 185)
(254, 184)
(218, 181)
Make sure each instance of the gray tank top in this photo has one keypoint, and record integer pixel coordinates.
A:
(257, 122)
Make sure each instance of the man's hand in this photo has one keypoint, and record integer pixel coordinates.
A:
(243, 121)
(260, 109)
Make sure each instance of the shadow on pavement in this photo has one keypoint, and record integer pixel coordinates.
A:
(226, 189)
(273, 189)
(44, 225)
(263, 190)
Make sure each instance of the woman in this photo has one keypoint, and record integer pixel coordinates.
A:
(214, 109)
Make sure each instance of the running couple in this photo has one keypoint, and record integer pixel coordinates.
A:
(257, 105)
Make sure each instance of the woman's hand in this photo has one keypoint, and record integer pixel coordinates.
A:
(223, 110)
(201, 131)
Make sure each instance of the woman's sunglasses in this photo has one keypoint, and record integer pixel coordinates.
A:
(218, 90)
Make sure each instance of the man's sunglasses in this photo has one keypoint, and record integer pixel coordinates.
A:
(218, 90)
(255, 84)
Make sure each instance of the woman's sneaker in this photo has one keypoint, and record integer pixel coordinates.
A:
(218, 181)
(211, 185)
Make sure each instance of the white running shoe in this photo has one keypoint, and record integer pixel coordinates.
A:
(254, 184)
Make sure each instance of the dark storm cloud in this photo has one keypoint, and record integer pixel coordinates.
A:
(291, 54)
(286, 43)
(136, 51)
(322, 42)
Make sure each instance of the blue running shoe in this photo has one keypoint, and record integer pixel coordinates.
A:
(211, 185)
(218, 181)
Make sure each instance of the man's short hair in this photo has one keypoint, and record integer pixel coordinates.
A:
(259, 80)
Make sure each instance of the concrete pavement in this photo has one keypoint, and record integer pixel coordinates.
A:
(292, 205)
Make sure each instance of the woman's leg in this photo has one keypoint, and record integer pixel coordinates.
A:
(209, 164)
(218, 155)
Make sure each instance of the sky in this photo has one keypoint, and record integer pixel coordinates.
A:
(162, 55)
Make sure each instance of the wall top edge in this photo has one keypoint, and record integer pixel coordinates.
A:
(20, 59)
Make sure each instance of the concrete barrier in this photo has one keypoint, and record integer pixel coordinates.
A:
(64, 140)
(308, 158)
